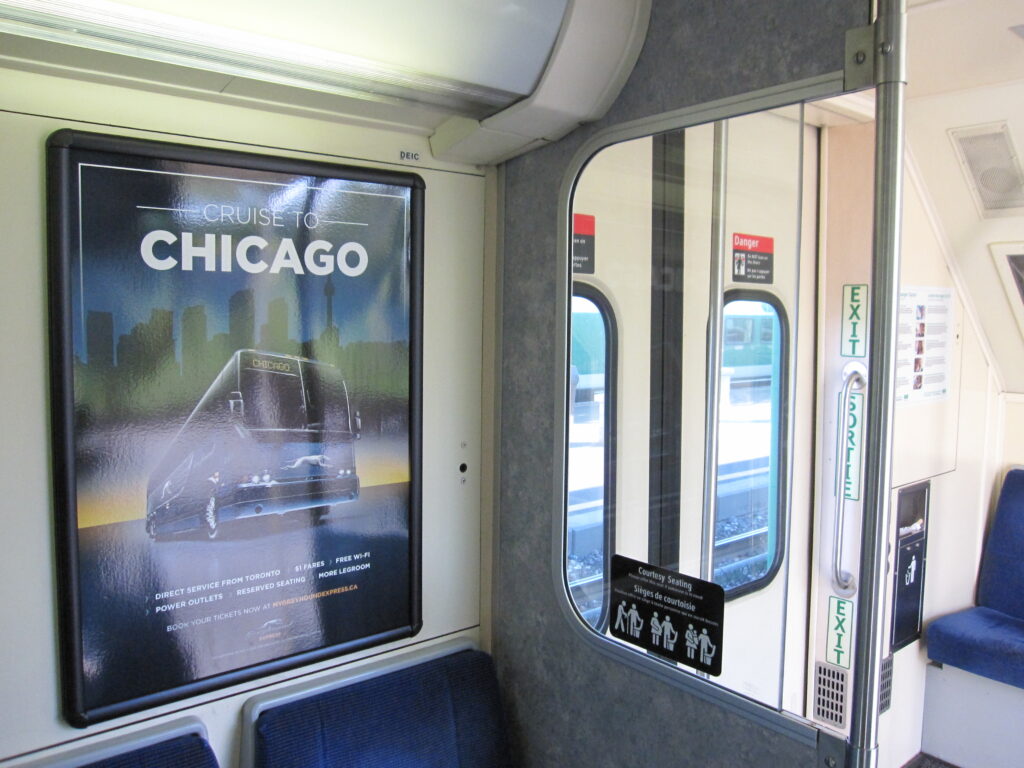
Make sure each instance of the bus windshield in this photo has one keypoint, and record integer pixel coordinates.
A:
(273, 400)
(326, 399)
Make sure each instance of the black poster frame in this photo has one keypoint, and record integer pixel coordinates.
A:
(63, 224)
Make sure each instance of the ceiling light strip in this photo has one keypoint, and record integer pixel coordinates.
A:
(113, 29)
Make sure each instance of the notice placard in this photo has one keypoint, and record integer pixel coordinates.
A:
(668, 613)
(752, 258)
(583, 227)
(924, 344)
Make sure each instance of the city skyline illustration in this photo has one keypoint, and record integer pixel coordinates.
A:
(171, 358)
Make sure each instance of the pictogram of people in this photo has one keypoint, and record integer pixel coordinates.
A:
(656, 630)
(669, 634)
(707, 648)
(908, 577)
(636, 624)
(691, 642)
(620, 618)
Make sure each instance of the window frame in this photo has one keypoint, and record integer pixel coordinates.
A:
(781, 443)
(593, 294)
(799, 730)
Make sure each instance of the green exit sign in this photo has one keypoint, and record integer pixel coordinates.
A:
(855, 321)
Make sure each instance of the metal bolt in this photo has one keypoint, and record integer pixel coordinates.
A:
(860, 57)
(830, 762)
(885, 48)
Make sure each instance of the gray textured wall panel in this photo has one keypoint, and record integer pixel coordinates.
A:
(567, 704)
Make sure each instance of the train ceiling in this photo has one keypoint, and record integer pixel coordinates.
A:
(485, 80)
(489, 80)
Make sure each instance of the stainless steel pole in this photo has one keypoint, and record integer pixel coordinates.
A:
(713, 374)
(890, 77)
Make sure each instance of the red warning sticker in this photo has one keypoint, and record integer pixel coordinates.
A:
(753, 258)
(583, 257)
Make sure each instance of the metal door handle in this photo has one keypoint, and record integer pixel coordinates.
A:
(854, 375)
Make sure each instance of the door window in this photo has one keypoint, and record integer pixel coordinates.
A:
(748, 510)
(590, 475)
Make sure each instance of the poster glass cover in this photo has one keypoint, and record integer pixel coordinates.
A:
(236, 368)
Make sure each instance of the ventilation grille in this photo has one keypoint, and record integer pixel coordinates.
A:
(992, 167)
(885, 685)
(830, 694)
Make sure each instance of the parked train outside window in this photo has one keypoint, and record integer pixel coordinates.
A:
(590, 497)
(747, 510)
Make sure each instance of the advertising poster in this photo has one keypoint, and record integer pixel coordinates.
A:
(236, 366)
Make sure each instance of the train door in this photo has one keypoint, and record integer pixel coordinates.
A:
(739, 483)
(843, 305)
(745, 489)
(719, 505)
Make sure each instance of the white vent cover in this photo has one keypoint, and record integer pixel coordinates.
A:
(992, 167)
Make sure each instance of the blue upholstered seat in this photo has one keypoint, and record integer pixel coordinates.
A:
(988, 639)
(188, 751)
(443, 713)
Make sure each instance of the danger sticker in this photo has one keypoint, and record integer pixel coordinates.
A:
(753, 258)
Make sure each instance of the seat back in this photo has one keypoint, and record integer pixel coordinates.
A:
(442, 713)
(176, 744)
(1001, 579)
(189, 751)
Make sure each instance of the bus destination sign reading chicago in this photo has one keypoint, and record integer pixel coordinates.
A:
(668, 613)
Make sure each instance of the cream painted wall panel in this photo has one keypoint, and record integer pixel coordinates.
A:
(179, 112)
(957, 513)
(763, 198)
(899, 729)
(801, 507)
(844, 258)
(616, 189)
(968, 234)
(925, 432)
(989, 736)
(452, 396)
(700, 151)
(1013, 439)
(960, 501)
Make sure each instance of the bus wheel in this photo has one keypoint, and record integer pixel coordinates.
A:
(210, 517)
(317, 514)
(151, 526)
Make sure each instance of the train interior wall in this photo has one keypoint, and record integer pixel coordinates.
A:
(569, 703)
(953, 442)
(33, 106)
(491, 393)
